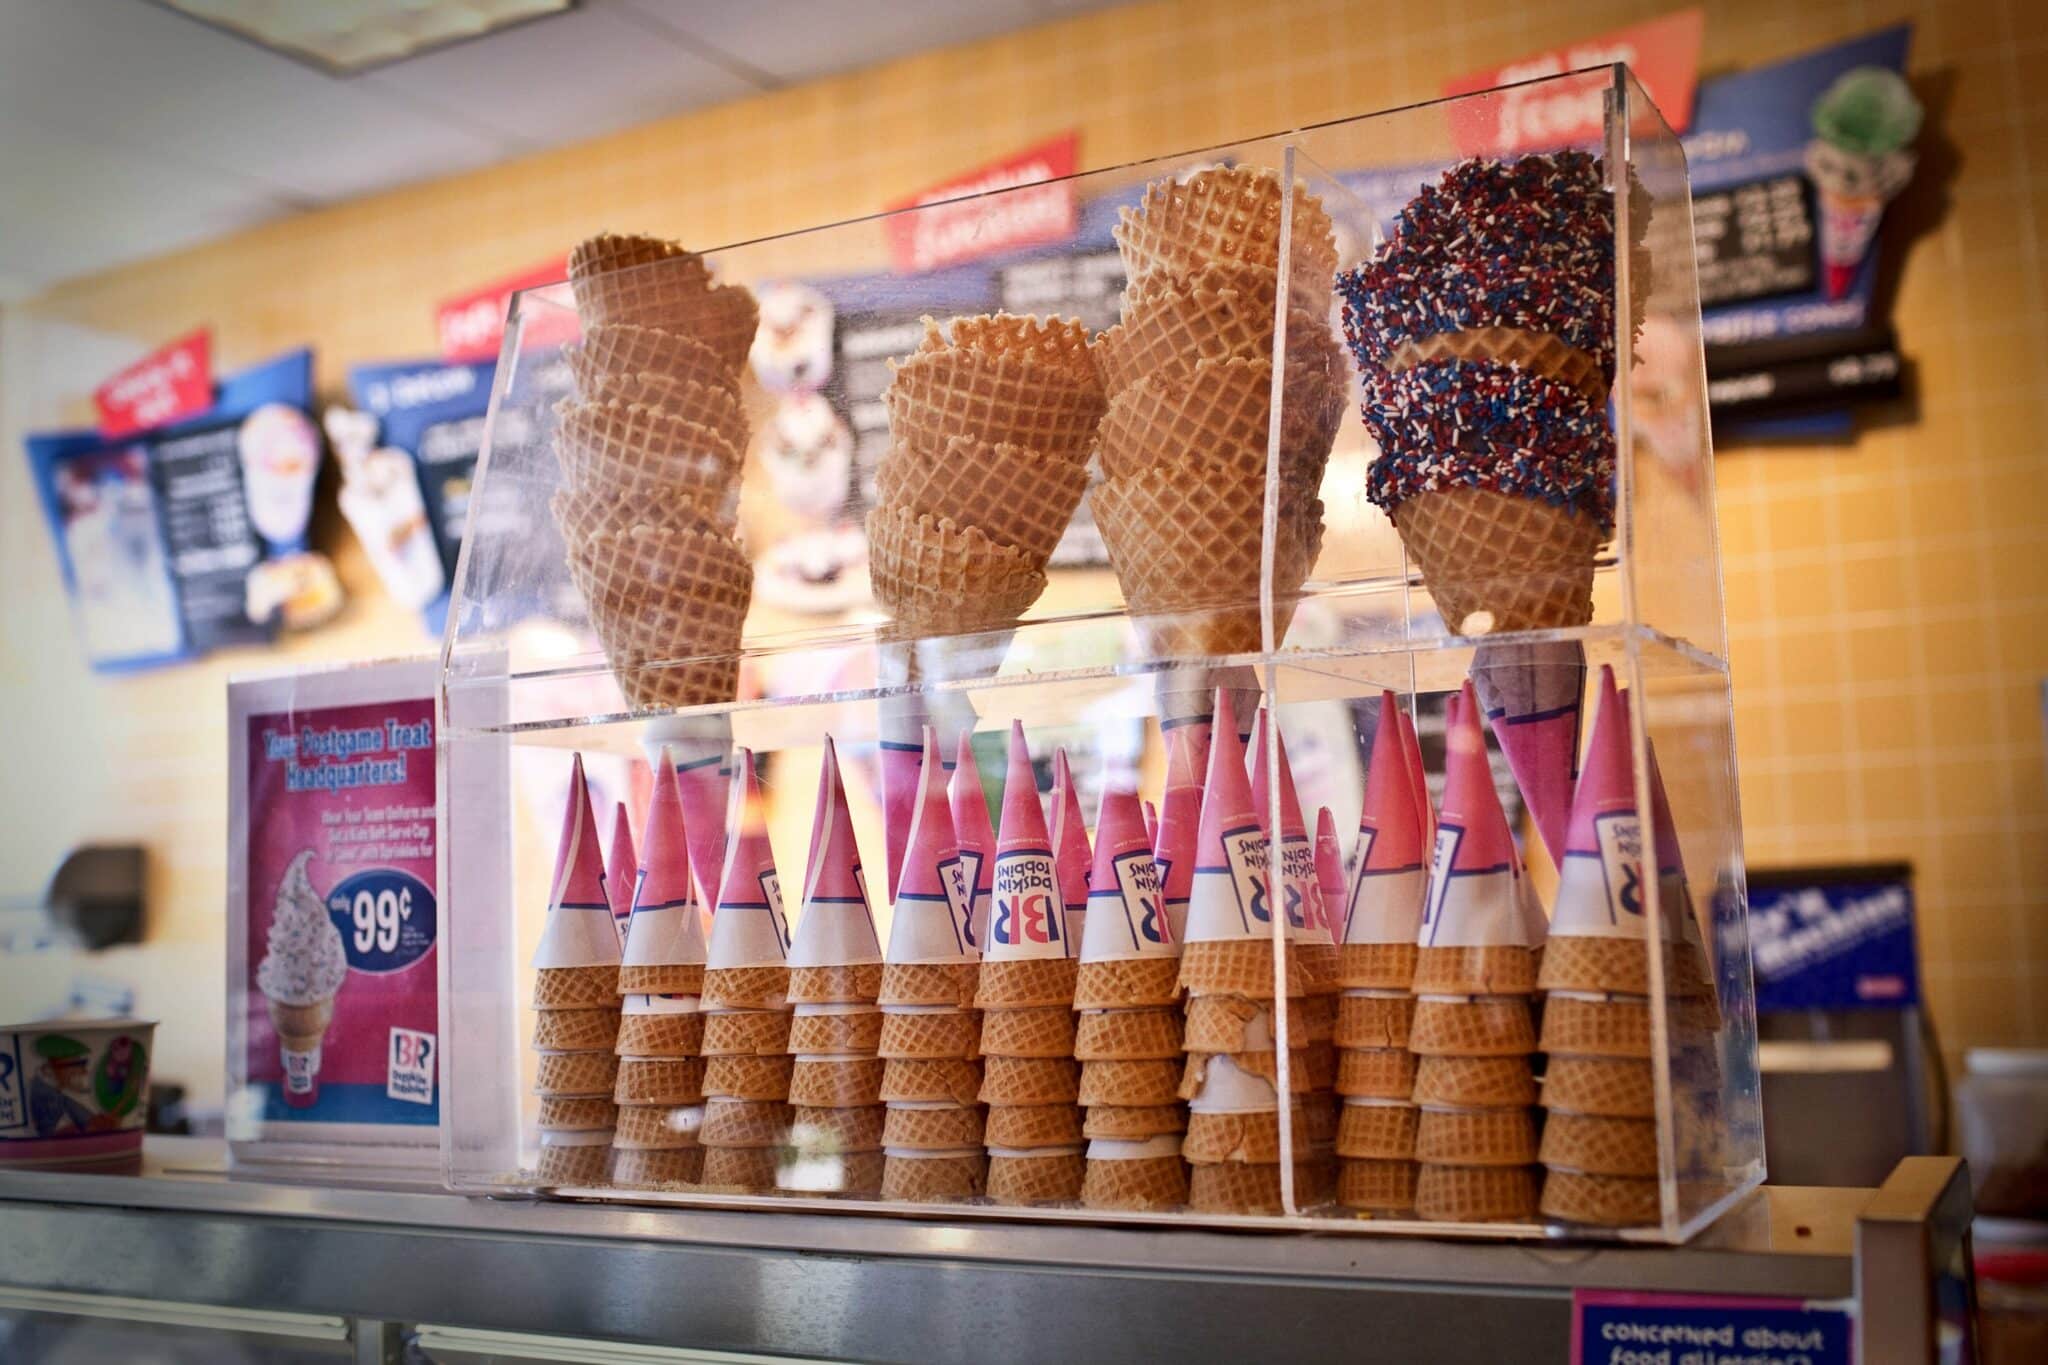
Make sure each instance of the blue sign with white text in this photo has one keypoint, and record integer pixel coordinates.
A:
(1837, 941)
(1613, 1328)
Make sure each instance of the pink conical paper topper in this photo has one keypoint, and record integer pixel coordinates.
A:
(1070, 852)
(1026, 914)
(977, 838)
(1180, 818)
(1474, 900)
(1386, 893)
(1329, 868)
(901, 763)
(1599, 884)
(667, 928)
(836, 928)
(1151, 813)
(1533, 698)
(1418, 780)
(749, 928)
(579, 931)
(621, 869)
(933, 901)
(1228, 899)
(705, 782)
(1126, 914)
(1674, 892)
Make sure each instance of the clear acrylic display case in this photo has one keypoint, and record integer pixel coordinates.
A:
(525, 681)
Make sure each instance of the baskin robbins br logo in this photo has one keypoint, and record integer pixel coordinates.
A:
(1140, 888)
(1248, 853)
(959, 886)
(1028, 910)
(1621, 863)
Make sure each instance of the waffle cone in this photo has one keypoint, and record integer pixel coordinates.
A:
(1614, 965)
(576, 1074)
(1476, 1137)
(936, 576)
(1489, 1026)
(1526, 564)
(853, 1129)
(1501, 969)
(1237, 1187)
(955, 1033)
(1376, 966)
(745, 988)
(1253, 1138)
(658, 1166)
(1147, 1183)
(748, 1077)
(747, 1033)
(1601, 1146)
(1059, 345)
(707, 503)
(579, 1030)
(608, 445)
(1221, 411)
(1262, 1064)
(928, 1180)
(708, 402)
(1131, 1084)
(648, 264)
(660, 1080)
(1033, 1125)
(678, 978)
(1376, 1186)
(1237, 1023)
(930, 983)
(669, 607)
(1600, 1200)
(1239, 966)
(1127, 983)
(574, 1166)
(674, 294)
(655, 1127)
(612, 349)
(836, 1034)
(1051, 1179)
(1027, 983)
(1379, 1132)
(744, 1123)
(1538, 352)
(1378, 1075)
(1615, 1087)
(1001, 400)
(1030, 1080)
(1227, 215)
(855, 984)
(943, 1129)
(1596, 1028)
(745, 1170)
(1365, 1021)
(1127, 1035)
(836, 1084)
(1475, 1194)
(567, 988)
(1016, 496)
(585, 1113)
(1043, 1031)
(1221, 313)
(1133, 1122)
(927, 1080)
(660, 1035)
(1475, 1082)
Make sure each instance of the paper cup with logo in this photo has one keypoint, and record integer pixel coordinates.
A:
(74, 1094)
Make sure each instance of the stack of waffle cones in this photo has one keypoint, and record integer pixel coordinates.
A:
(651, 450)
(747, 1020)
(576, 999)
(1189, 377)
(991, 423)
(1128, 1038)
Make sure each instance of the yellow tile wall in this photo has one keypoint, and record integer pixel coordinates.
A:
(1886, 601)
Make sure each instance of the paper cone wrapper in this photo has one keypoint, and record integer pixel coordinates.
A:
(1379, 1130)
(1600, 1201)
(974, 834)
(1017, 496)
(836, 929)
(621, 871)
(1127, 1035)
(1029, 1126)
(1226, 216)
(581, 1164)
(933, 899)
(1027, 919)
(666, 928)
(575, 1073)
(835, 1030)
(1599, 1145)
(1386, 895)
(1301, 891)
(1472, 1026)
(660, 1080)
(1180, 816)
(1070, 851)
(1475, 1082)
(1600, 877)
(1418, 782)
(932, 1126)
(1388, 1074)
(913, 1177)
(1613, 1087)
(1476, 1137)
(1137, 1184)
(579, 931)
(1133, 1122)
(931, 1079)
(1121, 983)
(1579, 1025)
(657, 1127)
(995, 399)
(1376, 1186)
(746, 1033)
(609, 350)
(936, 1033)
(1330, 874)
(1030, 1080)
(748, 1078)
(1229, 898)
(1475, 1194)
(1147, 1083)
(746, 1170)
(1472, 888)
(1532, 696)
(1127, 918)
(1050, 1178)
(1041, 1032)
(705, 780)
(1673, 892)
(749, 931)
(900, 752)
(562, 988)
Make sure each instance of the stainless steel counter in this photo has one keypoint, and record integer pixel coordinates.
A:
(863, 1288)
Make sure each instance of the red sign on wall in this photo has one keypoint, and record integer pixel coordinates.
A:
(1664, 54)
(471, 326)
(166, 386)
(975, 228)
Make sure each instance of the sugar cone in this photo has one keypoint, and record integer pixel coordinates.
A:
(1472, 1026)
(1127, 1034)
(1600, 1201)
(573, 1115)
(1048, 1177)
(919, 1080)
(928, 1034)
(835, 1082)
(653, 1127)
(1143, 1182)
(1374, 1021)
(664, 1166)
(585, 1030)
(1030, 1080)
(851, 1129)
(951, 984)
(1476, 1137)
(1126, 982)
(1475, 1194)
(580, 1163)
(1130, 1122)
(941, 1127)
(749, 1170)
(835, 1034)
(1032, 1126)
(1618, 1087)
(1042, 1032)
(660, 1026)
(1376, 1186)
(660, 1080)
(563, 988)
(1147, 1083)
(576, 1073)
(1581, 1026)
(1475, 1082)
(748, 1077)
(746, 1033)
(924, 1178)
(1599, 1145)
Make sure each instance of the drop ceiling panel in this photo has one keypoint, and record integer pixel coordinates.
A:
(797, 40)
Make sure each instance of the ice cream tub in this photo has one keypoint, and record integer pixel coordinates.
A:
(74, 1094)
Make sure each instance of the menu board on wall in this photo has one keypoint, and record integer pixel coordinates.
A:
(1754, 241)
(210, 544)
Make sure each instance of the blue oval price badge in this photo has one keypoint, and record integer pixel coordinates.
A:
(386, 919)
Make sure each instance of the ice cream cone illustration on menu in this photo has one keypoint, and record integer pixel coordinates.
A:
(976, 836)
(300, 976)
(1859, 159)
(621, 870)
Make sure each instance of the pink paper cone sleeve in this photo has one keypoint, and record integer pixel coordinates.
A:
(621, 869)
(749, 928)
(1126, 914)
(1473, 898)
(1027, 913)
(1229, 898)
(579, 931)
(836, 928)
(933, 901)
(976, 836)
(666, 928)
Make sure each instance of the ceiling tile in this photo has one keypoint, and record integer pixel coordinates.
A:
(796, 40)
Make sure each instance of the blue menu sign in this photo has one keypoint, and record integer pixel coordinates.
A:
(1614, 1328)
(1833, 938)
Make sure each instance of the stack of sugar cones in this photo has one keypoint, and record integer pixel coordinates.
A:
(746, 1019)
(650, 451)
(835, 975)
(1330, 889)
(1473, 1029)
(932, 1146)
(1128, 1036)
(1026, 994)
(576, 999)
(1375, 968)
(991, 422)
(1189, 376)
(1235, 1139)
(660, 1090)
